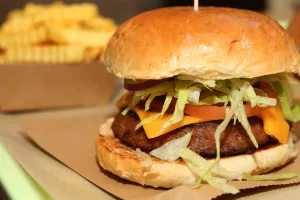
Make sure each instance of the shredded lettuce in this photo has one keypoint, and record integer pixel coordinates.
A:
(147, 120)
(233, 91)
(234, 120)
(266, 101)
(169, 150)
(149, 101)
(251, 96)
(193, 95)
(217, 176)
(203, 164)
(234, 104)
(182, 90)
(221, 184)
(135, 100)
(211, 100)
(198, 184)
(153, 95)
(161, 88)
(223, 86)
(167, 102)
(240, 113)
(291, 114)
(150, 93)
(269, 177)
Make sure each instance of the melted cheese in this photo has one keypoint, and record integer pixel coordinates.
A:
(273, 120)
(275, 124)
(152, 129)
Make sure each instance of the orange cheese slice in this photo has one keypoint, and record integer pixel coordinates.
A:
(273, 120)
(152, 129)
(275, 124)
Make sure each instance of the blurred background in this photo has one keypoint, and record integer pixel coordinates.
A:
(121, 10)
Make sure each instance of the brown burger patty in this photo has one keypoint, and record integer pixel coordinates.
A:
(234, 140)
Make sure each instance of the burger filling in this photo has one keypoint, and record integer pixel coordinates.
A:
(234, 140)
(222, 117)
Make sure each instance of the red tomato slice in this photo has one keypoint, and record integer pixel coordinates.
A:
(204, 111)
(209, 112)
(218, 112)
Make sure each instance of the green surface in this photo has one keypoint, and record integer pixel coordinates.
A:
(17, 182)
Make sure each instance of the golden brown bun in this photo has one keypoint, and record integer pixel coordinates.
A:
(211, 43)
(123, 162)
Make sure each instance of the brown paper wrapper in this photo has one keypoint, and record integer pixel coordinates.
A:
(60, 182)
(69, 137)
(44, 86)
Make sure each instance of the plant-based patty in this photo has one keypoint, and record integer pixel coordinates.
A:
(234, 140)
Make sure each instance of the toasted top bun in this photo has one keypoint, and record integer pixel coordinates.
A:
(123, 161)
(211, 43)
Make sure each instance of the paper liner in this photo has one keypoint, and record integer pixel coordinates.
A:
(28, 86)
(58, 180)
(69, 137)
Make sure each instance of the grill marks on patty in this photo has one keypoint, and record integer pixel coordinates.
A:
(234, 140)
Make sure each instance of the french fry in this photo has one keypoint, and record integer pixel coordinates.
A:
(15, 14)
(93, 53)
(79, 36)
(45, 54)
(1, 58)
(99, 24)
(55, 33)
(33, 9)
(17, 25)
(58, 11)
(34, 36)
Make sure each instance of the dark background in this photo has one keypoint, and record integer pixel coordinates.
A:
(257, 5)
(121, 10)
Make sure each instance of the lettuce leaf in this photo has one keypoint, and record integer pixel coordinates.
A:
(241, 115)
(251, 96)
(182, 91)
(266, 101)
(167, 102)
(216, 177)
(211, 100)
(269, 177)
(135, 100)
(291, 114)
(149, 101)
(193, 95)
(235, 100)
(169, 150)
(147, 120)
(161, 89)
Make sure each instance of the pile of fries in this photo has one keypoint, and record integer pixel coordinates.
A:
(55, 33)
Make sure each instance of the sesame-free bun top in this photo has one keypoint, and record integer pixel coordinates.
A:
(211, 43)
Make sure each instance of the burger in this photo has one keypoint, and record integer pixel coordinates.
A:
(208, 98)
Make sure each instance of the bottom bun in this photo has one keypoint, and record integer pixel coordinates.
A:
(123, 162)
